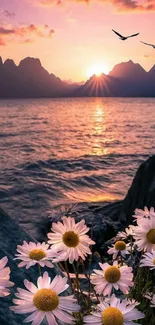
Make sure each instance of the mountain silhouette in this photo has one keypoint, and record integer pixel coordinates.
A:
(127, 79)
(30, 80)
(128, 70)
(151, 74)
(98, 86)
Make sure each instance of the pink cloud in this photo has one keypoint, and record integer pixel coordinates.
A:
(27, 41)
(4, 31)
(51, 32)
(9, 14)
(146, 5)
(2, 43)
(126, 5)
(24, 33)
(48, 3)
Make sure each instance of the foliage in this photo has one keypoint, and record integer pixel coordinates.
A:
(69, 246)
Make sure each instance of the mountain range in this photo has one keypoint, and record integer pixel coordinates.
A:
(30, 80)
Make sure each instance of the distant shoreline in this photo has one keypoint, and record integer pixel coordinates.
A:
(76, 97)
(30, 80)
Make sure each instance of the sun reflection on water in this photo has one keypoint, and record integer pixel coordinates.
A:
(92, 196)
(71, 150)
(98, 131)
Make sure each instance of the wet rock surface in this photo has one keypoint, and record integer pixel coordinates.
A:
(10, 236)
(141, 192)
(106, 219)
(103, 219)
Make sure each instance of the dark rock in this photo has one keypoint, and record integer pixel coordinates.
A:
(105, 220)
(101, 218)
(141, 192)
(10, 236)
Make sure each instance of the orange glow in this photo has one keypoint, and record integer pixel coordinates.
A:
(97, 70)
(89, 196)
(74, 40)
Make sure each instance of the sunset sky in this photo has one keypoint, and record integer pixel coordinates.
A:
(73, 38)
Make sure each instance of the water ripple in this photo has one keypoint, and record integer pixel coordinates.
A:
(61, 151)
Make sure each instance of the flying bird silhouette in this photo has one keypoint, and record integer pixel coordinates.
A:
(149, 44)
(123, 38)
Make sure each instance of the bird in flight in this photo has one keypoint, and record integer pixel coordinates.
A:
(123, 38)
(148, 44)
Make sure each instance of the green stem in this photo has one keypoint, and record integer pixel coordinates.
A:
(121, 259)
(91, 286)
(89, 265)
(39, 268)
(77, 280)
(61, 267)
(69, 278)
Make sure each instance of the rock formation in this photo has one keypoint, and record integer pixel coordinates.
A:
(105, 220)
(10, 236)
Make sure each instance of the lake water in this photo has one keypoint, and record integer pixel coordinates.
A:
(70, 150)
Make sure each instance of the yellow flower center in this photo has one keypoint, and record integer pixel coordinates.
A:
(70, 239)
(151, 236)
(154, 261)
(46, 300)
(112, 274)
(37, 254)
(120, 245)
(112, 316)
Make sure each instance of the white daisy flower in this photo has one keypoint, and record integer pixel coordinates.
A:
(116, 312)
(120, 247)
(112, 276)
(146, 213)
(4, 278)
(70, 239)
(148, 259)
(126, 233)
(34, 253)
(144, 235)
(44, 301)
(151, 297)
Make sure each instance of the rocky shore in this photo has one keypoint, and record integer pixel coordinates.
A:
(104, 220)
(12, 235)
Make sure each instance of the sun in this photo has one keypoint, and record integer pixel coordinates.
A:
(97, 70)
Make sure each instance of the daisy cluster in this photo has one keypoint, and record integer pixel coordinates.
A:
(62, 299)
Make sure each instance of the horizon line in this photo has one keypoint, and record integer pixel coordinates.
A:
(71, 81)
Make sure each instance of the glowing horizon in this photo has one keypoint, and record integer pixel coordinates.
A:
(97, 70)
(74, 40)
